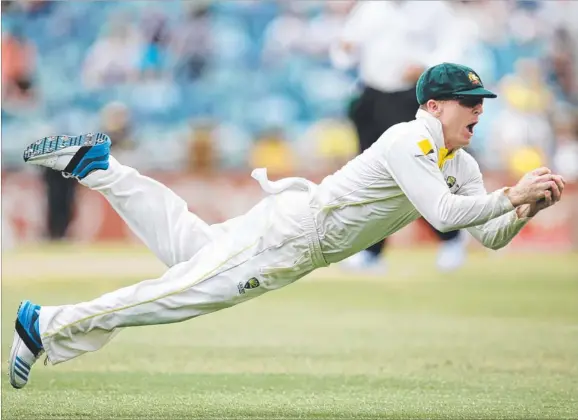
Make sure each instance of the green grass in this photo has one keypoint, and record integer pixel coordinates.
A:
(498, 340)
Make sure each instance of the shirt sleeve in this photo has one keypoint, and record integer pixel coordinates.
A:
(413, 164)
(496, 233)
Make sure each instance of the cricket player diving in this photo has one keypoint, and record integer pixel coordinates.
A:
(415, 169)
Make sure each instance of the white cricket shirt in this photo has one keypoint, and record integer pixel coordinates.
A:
(406, 174)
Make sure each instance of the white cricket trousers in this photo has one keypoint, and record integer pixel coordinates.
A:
(210, 267)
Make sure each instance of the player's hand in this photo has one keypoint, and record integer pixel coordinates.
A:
(537, 185)
(551, 197)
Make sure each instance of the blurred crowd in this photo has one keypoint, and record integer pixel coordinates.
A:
(208, 85)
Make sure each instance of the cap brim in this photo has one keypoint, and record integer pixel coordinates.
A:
(481, 92)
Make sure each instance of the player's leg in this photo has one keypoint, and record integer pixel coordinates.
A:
(202, 285)
(271, 246)
(155, 214)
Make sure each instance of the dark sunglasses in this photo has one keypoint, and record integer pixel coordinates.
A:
(465, 101)
(469, 101)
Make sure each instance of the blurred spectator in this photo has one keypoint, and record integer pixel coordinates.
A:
(257, 64)
(324, 28)
(284, 35)
(36, 7)
(155, 59)
(524, 159)
(192, 42)
(525, 37)
(18, 66)
(566, 133)
(202, 155)
(9, 6)
(22, 99)
(560, 15)
(523, 124)
(526, 89)
(562, 60)
(272, 151)
(115, 121)
(480, 20)
(334, 142)
(32, 8)
(115, 57)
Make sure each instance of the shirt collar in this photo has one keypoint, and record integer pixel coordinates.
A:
(433, 125)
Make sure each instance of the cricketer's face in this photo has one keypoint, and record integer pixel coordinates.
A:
(458, 118)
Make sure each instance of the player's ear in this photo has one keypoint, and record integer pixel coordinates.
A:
(434, 107)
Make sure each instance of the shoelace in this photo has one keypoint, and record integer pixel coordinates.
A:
(69, 175)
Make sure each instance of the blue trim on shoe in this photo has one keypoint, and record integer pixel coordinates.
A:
(96, 158)
(27, 326)
(23, 363)
(21, 370)
(92, 156)
(21, 376)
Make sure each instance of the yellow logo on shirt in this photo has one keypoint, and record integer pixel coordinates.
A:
(450, 181)
(425, 146)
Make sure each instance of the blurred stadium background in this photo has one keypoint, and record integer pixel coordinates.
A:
(198, 93)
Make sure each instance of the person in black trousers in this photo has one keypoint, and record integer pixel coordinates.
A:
(60, 193)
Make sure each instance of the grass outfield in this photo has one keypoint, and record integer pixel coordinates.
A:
(498, 340)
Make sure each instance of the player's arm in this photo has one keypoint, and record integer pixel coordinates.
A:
(498, 233)
(412, 162)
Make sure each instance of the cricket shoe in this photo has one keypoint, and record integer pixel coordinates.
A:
(26, 346)
(74, 156)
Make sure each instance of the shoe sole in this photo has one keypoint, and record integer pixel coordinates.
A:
(48, 146)
(16, 343)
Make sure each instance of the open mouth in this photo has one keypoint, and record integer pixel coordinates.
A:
(470, 127)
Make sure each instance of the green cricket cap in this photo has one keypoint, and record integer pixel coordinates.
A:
(447, 81)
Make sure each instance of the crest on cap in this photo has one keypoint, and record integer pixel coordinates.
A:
(473, 78)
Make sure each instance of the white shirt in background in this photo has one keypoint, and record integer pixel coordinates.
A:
(388, 36)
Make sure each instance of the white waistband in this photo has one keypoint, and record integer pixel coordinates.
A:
(308, 221)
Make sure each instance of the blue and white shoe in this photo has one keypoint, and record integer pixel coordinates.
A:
(74, 156)
(26, 346)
